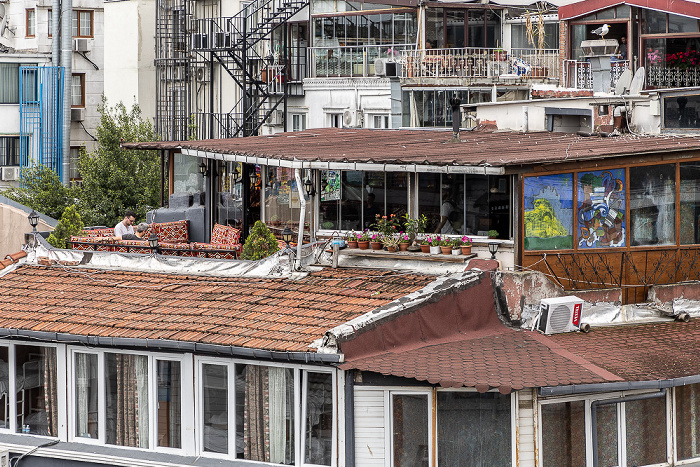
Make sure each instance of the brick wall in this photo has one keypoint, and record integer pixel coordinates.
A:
(563, 46)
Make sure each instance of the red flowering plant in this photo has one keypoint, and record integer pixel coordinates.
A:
(690, 59)
(386, 226)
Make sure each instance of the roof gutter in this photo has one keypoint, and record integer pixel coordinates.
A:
(359, 166)
(173, 345)
(620, 386)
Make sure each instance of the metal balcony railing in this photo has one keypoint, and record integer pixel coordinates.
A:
(578, 74)
(477, 62)
(350, 61)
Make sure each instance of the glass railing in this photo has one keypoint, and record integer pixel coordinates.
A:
(351, 61)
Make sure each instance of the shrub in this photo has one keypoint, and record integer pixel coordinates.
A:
(70, 224)
(260, 243)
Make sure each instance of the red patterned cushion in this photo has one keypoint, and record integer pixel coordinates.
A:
(235, 236)
(97, 233)
(219, 234)
(171, 232)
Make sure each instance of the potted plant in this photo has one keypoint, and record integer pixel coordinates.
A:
(385, 225)
(434, 243)
(391, 242)
(351, 238)
(363, 240)
(413, 227)
(425, 244)
(493, 233)
(404, 241)
(456, 244)
(466, 245)
(446, 246)
(376, 241)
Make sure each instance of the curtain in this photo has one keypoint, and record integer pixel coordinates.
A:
(256, 414)
(50, 390)
(82, 381)
(9, 83)
(131, 400)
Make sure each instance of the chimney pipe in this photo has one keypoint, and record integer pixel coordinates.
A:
(455, 103)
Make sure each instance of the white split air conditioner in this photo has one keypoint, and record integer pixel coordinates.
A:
(77, 115)
(81, 45)
(202, 74)
(557, 315)
(276, 118)
(353, 118)
(10, 174)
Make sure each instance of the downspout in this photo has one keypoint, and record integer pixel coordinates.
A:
(67, 64)
(350, 419)
(594, 416)
(302, 216)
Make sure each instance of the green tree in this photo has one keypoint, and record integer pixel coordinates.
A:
(41, 190)
(117, 179)
(260, 243)
(70, 224)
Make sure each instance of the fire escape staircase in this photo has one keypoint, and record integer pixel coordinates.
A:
(241, 45)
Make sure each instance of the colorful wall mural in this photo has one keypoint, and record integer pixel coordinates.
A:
(549, 212)
(601, 209)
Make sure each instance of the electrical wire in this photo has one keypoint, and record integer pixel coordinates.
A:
(32, 451)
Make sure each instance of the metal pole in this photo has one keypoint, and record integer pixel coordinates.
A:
(286, 76)
(67, 64)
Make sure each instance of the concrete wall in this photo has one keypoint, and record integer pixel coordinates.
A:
(13, 225)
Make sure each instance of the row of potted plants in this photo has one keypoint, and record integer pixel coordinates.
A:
(401, 241)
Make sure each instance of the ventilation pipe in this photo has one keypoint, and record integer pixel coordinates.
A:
(302, 216)
(67, 64)
(526, 116)
(455, 103)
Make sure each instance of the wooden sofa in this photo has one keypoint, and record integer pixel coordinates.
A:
(173, 240)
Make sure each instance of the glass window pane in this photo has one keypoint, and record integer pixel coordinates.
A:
(608, 13)
(319, 419)
(688, 421)
(230, 194)
(456, 21)
(653, 22)
(434, 29)
(429, 199)
(646, 431)
(169, 403)
(86, 23)
(375, 198)
(549, 212)
(473, 429)
(282, 202)
(607, 435)
(77, 90)
(563, 434)
(487, 205)
(75, 24)
(652, 205)
(36, 391)
(682, 112)
(215, 412)
(86, 395)
(397, 193)
(4, 388)
(493, 29)
(187, 178)
(265, 414)
(329, 215)
(410, 430)
(601, 209)
(351, 204)
(9, 83)
(678, 23)
(690, 203)
(126, 400)
(476, 29)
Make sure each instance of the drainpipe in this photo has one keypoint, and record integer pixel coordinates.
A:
(67, 64)
(594, 416)
(350, 419)
(526, 117)
(302, 216)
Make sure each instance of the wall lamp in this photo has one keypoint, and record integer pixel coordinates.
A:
(493, 248)
(287, 235)
(309, 187)
(33, 220)
(203, 168)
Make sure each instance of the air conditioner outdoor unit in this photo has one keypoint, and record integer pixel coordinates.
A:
(81, 45)
(353, 118)
(561, 314)
(277, 117)
(4, 458)
(77, 115)
(10, 174)
(202, 74)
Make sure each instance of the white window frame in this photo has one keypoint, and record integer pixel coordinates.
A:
(389, 417)
(384, 121)
(60, 389)
(621, 424)
(300, 381)
(302, 120)
(187, 401)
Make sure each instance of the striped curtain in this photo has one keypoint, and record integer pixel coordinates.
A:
(9, 83)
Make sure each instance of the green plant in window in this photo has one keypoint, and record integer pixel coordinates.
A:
(260, 243)
(493, 233)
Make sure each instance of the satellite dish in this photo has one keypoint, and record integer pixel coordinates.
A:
(637, 82)
(624, 82)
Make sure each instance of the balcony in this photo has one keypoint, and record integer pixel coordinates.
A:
(351, 61)
(476, 62)
(578, 74)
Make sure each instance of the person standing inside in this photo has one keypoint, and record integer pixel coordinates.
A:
(126, 225)
(622, 53)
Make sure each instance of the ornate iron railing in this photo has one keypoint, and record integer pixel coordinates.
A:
(663, 77)
(579, 76)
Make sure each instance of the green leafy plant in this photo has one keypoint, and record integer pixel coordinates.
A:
(260, 243)
(41, 190)
(456, 242)
(386, 225)
(493, 233)
(415, 226)
(70, 224)
(391, 241)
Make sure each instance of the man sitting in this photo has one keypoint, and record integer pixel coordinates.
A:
(125, 226)
(140, 233)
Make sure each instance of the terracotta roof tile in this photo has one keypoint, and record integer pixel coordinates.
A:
(272, 314)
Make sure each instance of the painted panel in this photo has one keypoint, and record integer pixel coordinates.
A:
(370, 434)
(601, 209)
(549, 212)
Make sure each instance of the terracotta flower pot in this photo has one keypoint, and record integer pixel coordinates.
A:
(466, 250)
(363, 245)
(446, 250)
(435, 250)
(403, 246)
(391, 249)
(425, 248)
(376, 245)
(352, 244)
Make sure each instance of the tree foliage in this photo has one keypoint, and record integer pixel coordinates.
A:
(70, 224)
(117, 179)
(260, 243)
(41, 190)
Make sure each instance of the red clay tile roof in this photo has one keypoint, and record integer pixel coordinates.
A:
(12, 259)
(430, 147)
(270, 314)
